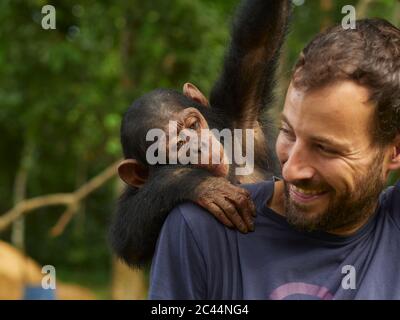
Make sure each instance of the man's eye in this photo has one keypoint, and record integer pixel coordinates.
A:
(286, 132)
(325, 149)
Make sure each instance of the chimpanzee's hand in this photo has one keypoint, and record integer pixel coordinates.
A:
(230, 204)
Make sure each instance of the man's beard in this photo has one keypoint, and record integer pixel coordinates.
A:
(345, 210)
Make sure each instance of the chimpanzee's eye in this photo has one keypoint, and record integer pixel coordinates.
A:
(194, 126)
(180, 144)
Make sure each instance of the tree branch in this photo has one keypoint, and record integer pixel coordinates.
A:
(71, 200)
(63, 221)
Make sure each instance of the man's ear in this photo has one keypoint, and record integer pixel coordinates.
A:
(192, 92)
(395, 156)
(132, 173)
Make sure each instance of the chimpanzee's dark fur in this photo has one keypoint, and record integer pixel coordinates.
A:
(238, 100)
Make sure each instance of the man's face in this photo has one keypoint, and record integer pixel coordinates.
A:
(333, 174)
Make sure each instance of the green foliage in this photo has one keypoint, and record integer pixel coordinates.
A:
(64, 91)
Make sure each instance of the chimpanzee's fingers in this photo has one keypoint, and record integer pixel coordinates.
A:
(244, 192)
(219, 214)
(243, 204)
(245, 208)
(250, 203)
(232, 214)
(247, 198)
(253, 208)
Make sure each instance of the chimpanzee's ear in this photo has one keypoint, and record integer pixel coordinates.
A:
(192, 92)
(132, 172)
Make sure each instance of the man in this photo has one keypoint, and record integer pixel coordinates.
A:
(327, 230)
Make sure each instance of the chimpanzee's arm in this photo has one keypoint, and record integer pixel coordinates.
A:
(141, 212)
(244, 89)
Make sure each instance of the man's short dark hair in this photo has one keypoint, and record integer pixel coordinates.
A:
(368, 55)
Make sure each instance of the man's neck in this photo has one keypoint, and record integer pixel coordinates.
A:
(349, 230)
(276, 202)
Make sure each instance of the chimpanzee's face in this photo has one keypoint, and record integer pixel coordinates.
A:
(332, 171)
(195, 138)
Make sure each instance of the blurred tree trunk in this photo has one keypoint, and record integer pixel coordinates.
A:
(283, 79)
(81, 178)
(127, 284)
(133, 18)
(20, 186)
(326, 9)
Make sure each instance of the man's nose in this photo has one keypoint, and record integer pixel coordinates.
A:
(299, 165)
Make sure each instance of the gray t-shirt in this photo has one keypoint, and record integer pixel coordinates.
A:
(199, 258)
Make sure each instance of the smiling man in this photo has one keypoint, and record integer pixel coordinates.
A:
(328, 229)
(332, 167)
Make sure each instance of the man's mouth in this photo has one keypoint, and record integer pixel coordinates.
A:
(306, 195)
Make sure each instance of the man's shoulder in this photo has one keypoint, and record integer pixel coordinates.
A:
(195, 218)
(201, 222)
(390, 202)
(391, 196)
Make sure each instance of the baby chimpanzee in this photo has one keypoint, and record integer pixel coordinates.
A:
(239, 100)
